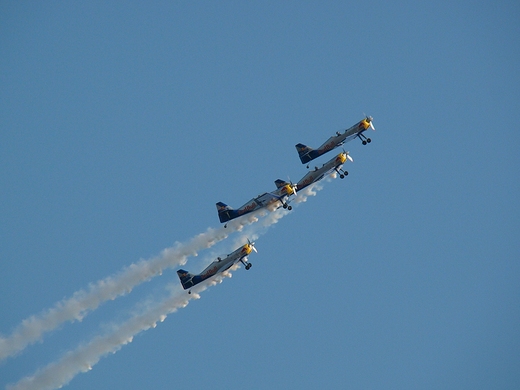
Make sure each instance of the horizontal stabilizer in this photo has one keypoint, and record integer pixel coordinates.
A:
(280, 183)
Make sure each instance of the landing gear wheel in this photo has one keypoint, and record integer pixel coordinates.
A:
(364, 142)
(369, 140)
(289, 208)
(248, 265)
(342, 176)
(284, 205)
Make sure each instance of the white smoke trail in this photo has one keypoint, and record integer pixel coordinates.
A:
(83, 358)
(311, 190)
(82, 302)
(253, 232)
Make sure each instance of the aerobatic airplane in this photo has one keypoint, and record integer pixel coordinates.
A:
(335, 164)
(218, 266)
(283, 191)
(308, 154)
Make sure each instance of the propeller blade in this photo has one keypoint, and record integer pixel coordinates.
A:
(252, 245)
(293, 186)
(348, 155)
(369, 119)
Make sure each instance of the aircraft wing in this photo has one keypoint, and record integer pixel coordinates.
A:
(267, 198)
(309, 178)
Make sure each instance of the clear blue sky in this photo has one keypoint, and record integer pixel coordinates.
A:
(124, 123)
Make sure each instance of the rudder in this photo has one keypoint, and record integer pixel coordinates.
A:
(225, 213)
(185, 278)
(304, 153)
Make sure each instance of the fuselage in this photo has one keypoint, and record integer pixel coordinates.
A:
(340, 139)
(266, 199)
(318, 174)
(220, 265)
(308, 154)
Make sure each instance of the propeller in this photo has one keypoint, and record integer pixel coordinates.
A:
(252, 245)
(293, 186)
(369, 119)
(348, 156)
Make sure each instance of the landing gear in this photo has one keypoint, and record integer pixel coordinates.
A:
(246, 264)
(286, 206)
(341, 173)
(364, 140)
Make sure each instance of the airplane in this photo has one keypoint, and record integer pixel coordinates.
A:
(218, 266)
(308, 154)
(334, 164)
(283, 191)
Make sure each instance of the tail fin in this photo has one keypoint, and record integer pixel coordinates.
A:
(186, 279)
(225, 213)
(280, 183)
(304, 152)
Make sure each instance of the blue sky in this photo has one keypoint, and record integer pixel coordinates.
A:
(124, 123)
